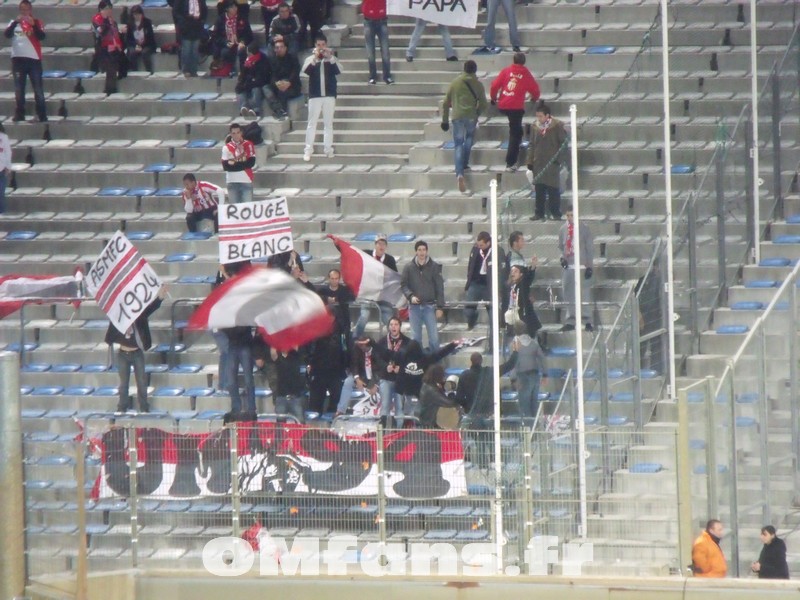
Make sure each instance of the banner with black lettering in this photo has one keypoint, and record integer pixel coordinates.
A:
(284, 458)
(456, 13)
(122, 281)
(252, 230)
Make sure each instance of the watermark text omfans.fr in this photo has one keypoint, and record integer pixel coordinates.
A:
(344, 555)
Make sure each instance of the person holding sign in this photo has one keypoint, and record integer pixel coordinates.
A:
(132, 345)
(200, 201)
(238, 160)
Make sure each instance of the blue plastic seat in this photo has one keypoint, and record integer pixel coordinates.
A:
(562, 351)
(154, 3)
(169, 192)
(646, 468)
(32, 413)
(761, 283)
(94, 368)
(205, 507)
(25, 390)
(402, 237)
(366, 236)
(78, 390)
(80, 74)
(648, 373)
(198, 392)
(601, 50)
(202, 143)
(556, 373)
(786, 239)
(113, 191)
(204, 96)
(27, 346)
(55, 460)
(682, 169)
(61, 413)
(703, 469)
(168, 392)
(306, 258)
(589, 420)
(425, 510)
(617, 421)
(616, 373)
(457, 371)
(195, 236)
(41, 436)
(65, 368)
(748, 398)
(156, 368)
(21, 236)
(106, 391)
(53, 74)
(159, 168)
(592, 397)
(695, 397)
(509, 395)
(745, 422)
(732, 329)
(138, 236)
(141, 191)
(47, 390)
(793, 219)
(210, 414)
(179, 257)
(697, 445)
(187, 368)
(36, 368)
(38, 484)
(622, 397)
(775, 262)
(477, 489)
(165, 347)
(175, 96)
(747, 305)
(440, 534)
(191, 279)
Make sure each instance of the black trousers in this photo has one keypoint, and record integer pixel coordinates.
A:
(514, 135)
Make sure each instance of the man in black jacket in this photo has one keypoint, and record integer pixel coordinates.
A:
(132, 346)
(285, 26)
(322, 69)
(284, 80)
(232, 35)
(190, 20)
(475, 385)
(478, 283)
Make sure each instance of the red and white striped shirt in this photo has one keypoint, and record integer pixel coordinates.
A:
(205, 195)
(25, 42)
(238, 152)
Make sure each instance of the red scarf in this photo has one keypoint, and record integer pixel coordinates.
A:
(568, 249)
(252, 59)
(230, 30)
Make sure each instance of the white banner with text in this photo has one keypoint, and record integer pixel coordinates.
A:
(251, 230)
(455, 13)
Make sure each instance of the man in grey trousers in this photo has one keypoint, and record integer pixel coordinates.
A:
(568, 236)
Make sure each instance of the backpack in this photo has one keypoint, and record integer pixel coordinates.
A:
(253, 133)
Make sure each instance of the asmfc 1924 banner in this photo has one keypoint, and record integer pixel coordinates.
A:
(283, 458)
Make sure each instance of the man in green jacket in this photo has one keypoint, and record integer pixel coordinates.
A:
(467, 98)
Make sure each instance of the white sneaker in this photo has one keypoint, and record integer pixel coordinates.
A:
(243, 111)
(329, 153)
(307, 156)
(529, 175)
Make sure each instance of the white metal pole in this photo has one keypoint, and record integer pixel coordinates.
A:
(668, 199)
(576, 272)
(754, 150)
(495, 329)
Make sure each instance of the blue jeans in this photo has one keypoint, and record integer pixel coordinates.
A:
(3, 179)
(222, 345)
(190, 56)
(528, 395)
(416, 36)
(240, 192)
(291, 405)
(463, 138)
(126, 360)
(508, 8)
(252, 100)
(241, 355)
(424, 314)
(390, 399)
(386, 310)
(377, 28)
(348, 385)
(31, 68)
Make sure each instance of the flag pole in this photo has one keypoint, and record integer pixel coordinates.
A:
(576, 272)
(495, 331)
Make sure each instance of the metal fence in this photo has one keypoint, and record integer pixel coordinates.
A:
(162, 498)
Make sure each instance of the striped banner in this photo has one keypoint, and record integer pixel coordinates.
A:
(122, 282)
(251, 230)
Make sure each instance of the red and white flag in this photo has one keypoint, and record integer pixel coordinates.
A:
(288, 314)
(17, 289)
(369, 279)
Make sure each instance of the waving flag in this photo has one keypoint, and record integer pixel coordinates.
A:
(14, 289)
(288, 314)
(369, 279)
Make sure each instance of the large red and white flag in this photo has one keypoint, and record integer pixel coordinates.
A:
(369, 279)
(122, 281)
(288, 314)
(17, 289)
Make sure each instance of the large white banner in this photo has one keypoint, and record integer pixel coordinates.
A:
(458, 13)
(254, 230)
(122, 281)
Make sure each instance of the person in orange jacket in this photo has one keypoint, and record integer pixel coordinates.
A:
(707, 557)
(509, 90)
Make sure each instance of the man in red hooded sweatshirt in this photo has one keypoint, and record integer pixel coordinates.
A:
(376, 25)
(508, 91)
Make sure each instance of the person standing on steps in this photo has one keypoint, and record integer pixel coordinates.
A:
(491, 20)
(708, 559)
(416, 36)
(238, 160)
(423, 285)
(108, 45)
(376, 25)
(26, 34)
(190, 19)
(545, 151)
(567, 238)
(509, 91)
(322, 69)
(466, 97)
